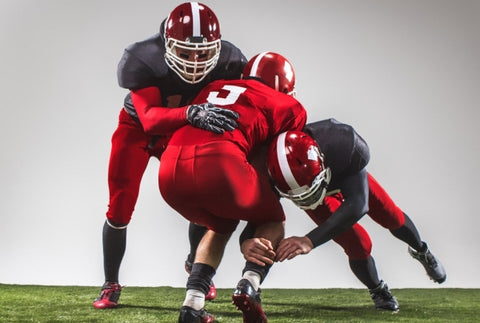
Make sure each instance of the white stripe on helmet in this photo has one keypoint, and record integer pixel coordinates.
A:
(196, 18)
(253, 71)
(283, 162)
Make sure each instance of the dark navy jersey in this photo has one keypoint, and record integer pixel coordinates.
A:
(143, 65)
(347, 154)
(345, 151)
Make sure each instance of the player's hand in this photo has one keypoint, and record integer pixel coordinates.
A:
(259, 251)
(209, 117)
(291, 247)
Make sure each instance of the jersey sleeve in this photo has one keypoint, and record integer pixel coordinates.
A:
(354, 206)
(360, 153)
(155, 119)
(346, 152)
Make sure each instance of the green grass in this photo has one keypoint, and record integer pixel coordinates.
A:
(24, 303)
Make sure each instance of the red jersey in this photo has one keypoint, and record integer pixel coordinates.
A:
(206, 176)
(264, 113)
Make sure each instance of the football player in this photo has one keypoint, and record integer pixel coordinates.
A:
(323, 171)
(164, 72)
(207, 178)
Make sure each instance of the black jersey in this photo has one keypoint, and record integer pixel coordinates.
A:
(346, 154)
(345, 151)
(143, 65)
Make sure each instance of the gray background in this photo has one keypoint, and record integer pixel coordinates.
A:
(405, 74)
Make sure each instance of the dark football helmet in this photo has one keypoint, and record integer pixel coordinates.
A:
(192, 41)
(274, 70)
(296, 166)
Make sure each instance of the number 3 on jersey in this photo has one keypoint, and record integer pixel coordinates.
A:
(232, 96)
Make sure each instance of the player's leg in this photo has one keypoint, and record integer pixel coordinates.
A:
(176, 176)
(258, 205)
(195, 231)
(195, 234)
(247, 294)
(128, 160)
(386, 213)
(357, 245)
(208, 256)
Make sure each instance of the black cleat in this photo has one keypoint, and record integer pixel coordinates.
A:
(189, 315)
(432, 266)
(383, 298)
(249, 302)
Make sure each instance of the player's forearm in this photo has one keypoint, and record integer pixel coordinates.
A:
(155, 119)
(340, 221)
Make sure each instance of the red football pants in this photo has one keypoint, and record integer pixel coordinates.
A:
(213, 185)
(355, 241)
(130, 153)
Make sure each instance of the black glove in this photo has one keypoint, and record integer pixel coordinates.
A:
(209, 117)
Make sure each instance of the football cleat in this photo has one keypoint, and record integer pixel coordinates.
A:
(189, 315)
(383, 298)
(212, 293)
(109, 296)
(432, 266)
(188, 266)
(247, 300)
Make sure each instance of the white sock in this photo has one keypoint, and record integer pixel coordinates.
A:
(253, 277)
(194, 299)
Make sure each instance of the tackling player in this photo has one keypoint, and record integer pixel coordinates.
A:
(323, 171)
(207, 178)
(164, 72)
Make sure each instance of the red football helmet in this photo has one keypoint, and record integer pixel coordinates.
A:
(192, 41)
(296, 166)
(274, 70)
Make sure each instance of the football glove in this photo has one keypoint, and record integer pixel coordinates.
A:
(209, 117)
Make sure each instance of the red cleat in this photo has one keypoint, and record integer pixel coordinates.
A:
(109, 296)
(212, 293)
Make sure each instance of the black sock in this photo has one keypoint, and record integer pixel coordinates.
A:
(200, 277)
(114, 244)
(366, 271)
(408, 233)
(195, 235)
(261, 270)
(247, 233)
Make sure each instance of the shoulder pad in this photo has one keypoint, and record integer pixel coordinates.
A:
(345, 150)
(231, 62)
(142, 63)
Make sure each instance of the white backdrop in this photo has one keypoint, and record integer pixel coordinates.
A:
(405, 74)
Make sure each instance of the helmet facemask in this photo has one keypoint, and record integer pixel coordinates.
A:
(192, 60)
(309, 197)
(296, 166)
